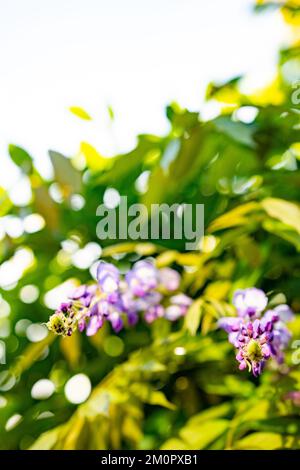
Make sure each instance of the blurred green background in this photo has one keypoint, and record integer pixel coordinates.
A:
(159, 386)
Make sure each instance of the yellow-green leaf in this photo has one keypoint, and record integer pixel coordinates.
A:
(260, 441)
(46, 441)
(5, 202)
(80, 112)
(174, 444)
(94, 160)
(237, 216)
(193, 316)
(285, 211)
(154, 397)
(200, 436)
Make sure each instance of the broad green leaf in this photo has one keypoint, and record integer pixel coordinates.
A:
(218, 290)
(193, 316)
(259, 410)
(285, 211)
(21, 158)
(213, 412)
(237, 216)
(236, 130)
(200, 436)
(46, 441)
(65, 174)
(282, 230)
(260, 441)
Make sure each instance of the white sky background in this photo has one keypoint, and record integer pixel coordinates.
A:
(135, 55)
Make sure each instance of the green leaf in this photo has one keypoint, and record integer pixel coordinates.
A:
(193, 316)
(21, 158)
(236, 130)
(285, 211)
(237, 216)
(211, 413)
(282, 230)
(5, 202)
(46, 441)
(65, 174)
(111, 113)
(80, 112)
(174, 444)
(146, 394)
(260, 441)
(199, 436)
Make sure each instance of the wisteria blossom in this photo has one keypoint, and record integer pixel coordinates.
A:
(144, 291)
(257, 332)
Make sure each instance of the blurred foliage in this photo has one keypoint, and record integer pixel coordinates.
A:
(153, 387)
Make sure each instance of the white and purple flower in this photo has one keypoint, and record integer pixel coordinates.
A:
(144, 291)
(250, 302)
(257, 333)
(142, 278)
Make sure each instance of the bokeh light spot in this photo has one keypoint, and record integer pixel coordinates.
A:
(78, 389)
(42, 389)
(36, 332)
(29, 294)
(111, 198)
(13, 421)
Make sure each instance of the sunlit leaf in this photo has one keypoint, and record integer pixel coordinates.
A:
(154, 397)
(65, 174)
(285, 211)
(80, 112)
(174, 444)
(260, 441)
(94, 160)
(199, 436)
(21, 158)
(237, 216)
(5, 202)
(193, 316)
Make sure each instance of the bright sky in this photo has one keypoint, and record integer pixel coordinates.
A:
(134, 55)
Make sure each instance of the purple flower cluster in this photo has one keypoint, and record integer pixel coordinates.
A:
(144, 291)
(258, 332)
